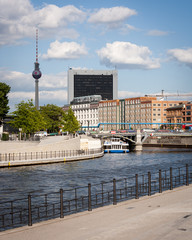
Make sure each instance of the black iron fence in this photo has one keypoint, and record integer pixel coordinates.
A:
(46, 155)
(38, 207)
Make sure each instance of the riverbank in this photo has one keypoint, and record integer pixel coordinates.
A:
(51, 143)
(162, 216)
(52, 149)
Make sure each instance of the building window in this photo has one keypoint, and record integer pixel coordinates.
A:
(188, 119)
(188, 107)
(154, 104)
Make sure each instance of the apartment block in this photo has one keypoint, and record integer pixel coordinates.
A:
(187, 113)
(86, 110)
(175, 114)
(140, 112)
(109, 113)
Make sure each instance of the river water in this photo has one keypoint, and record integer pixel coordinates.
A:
(20, 181)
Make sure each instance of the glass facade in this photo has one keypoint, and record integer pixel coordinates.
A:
(85, 85)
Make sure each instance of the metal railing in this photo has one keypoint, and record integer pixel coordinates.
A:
(38, 207)
(46, 155)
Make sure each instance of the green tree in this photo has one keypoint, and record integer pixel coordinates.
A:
(4, 108)
(28, 118)
(53, 116)
(71, 124)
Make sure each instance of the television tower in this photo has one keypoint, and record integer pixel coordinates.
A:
(36, 74)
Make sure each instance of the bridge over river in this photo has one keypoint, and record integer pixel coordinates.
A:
(138, 139)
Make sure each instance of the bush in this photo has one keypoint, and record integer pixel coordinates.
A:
(5, 137)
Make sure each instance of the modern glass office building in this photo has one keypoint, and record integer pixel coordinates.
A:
(92, 82)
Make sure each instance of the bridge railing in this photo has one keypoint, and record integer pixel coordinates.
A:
(36, 207)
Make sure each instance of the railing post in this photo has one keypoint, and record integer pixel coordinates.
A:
(102, 193)
(46, 205)
(89, 197)
(12, 213)
(136, 187)
(114, 192)
(187, 175)
(160, 182)
(171, 179)
(76, 199)
(149, 184)
(29, 211)
(61, 203)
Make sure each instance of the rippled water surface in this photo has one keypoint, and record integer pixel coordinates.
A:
(19, 181)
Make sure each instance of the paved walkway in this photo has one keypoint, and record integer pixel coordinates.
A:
(166, 216)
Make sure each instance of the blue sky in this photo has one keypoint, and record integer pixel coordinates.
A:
(149, 43)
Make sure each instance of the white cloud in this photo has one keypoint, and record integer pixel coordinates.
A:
(65, 50)
(125, 55)
(60, 95)
(127, 94)
(52, 87)
(182, 55)
(19, 19)
(19, 80)
(111, 16)
(57, 97)
(157, 33)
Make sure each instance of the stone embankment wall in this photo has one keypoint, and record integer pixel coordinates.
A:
(168, 141)
(49, 150)
(53, 143)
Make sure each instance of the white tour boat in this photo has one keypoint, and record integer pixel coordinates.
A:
(115, 145)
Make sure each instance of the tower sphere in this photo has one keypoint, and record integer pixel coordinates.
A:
(36, 73)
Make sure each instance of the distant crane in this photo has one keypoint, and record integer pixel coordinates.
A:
(162, 95)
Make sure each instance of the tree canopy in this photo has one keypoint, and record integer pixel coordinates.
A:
(71, 124)
(4, 108)
(53, 116)
(28, 118)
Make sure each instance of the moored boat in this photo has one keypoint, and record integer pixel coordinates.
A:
(115, 145)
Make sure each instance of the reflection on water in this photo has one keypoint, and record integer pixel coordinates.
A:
(17, 182)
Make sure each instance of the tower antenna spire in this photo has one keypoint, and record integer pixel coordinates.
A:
(36, 74)
(36, 45)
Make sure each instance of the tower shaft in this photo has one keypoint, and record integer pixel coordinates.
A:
(36, 74)
(37, 94)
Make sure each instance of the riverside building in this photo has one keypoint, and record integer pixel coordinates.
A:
(187, 113)
(137, 113)
(85, 109)
(92, 82)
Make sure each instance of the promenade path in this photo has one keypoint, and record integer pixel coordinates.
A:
(166, 216)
